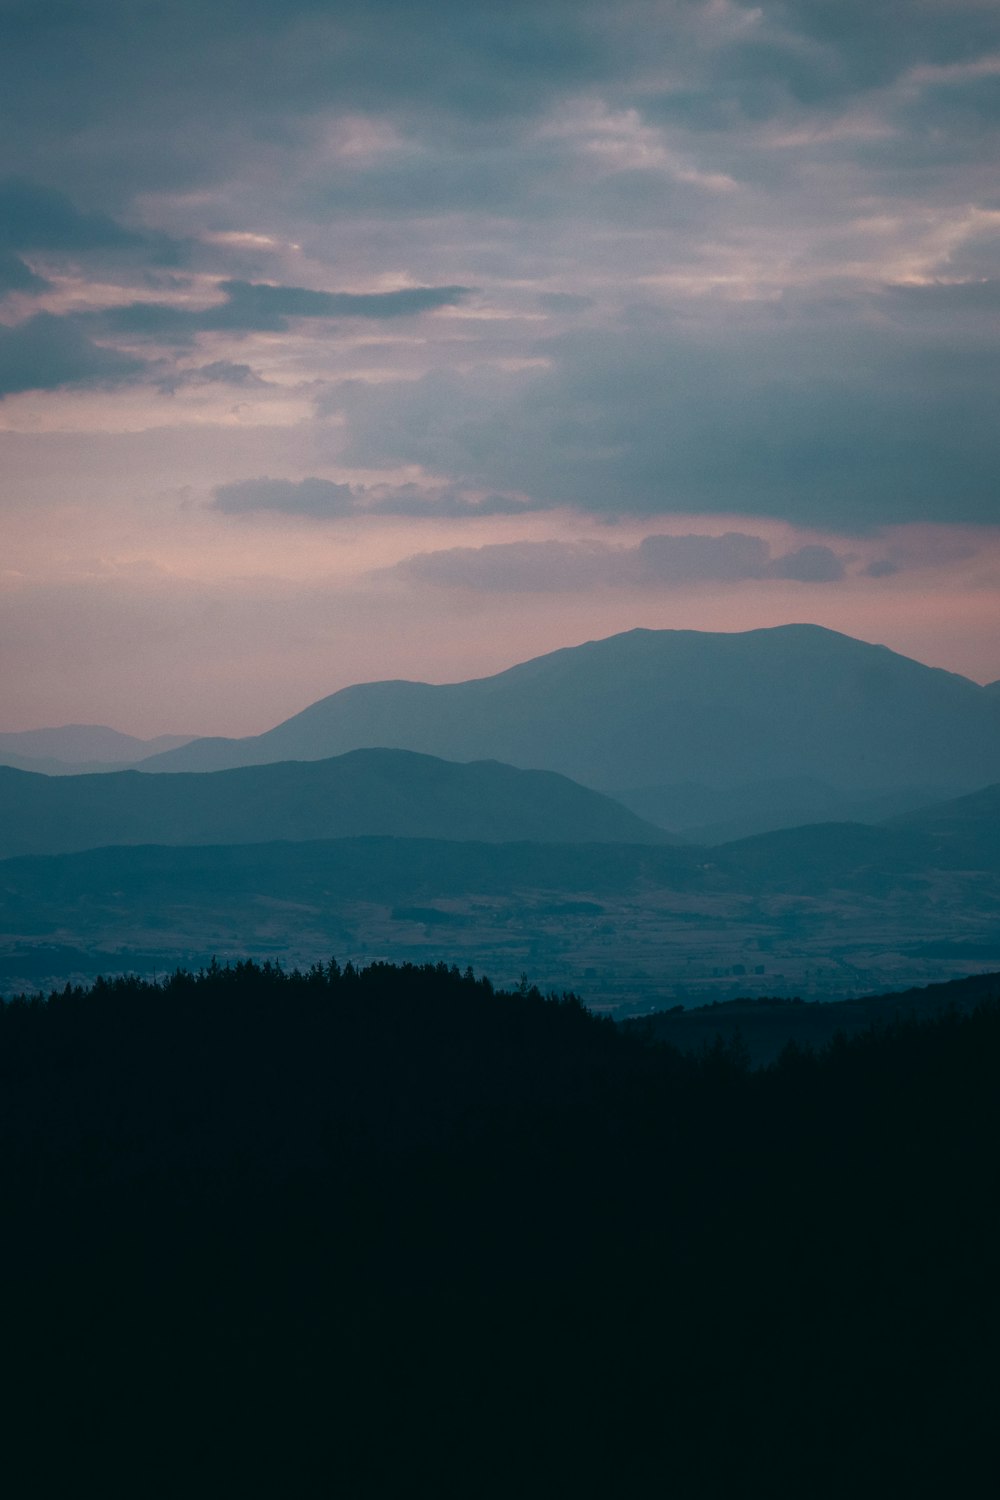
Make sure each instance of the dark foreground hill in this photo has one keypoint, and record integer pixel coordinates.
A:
(393, 1232)
(656, 707)
(761, 1028)
(392, 792)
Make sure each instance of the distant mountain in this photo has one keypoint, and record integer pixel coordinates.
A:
(967, 827)
(861, 860)
(391, 792)
(76, 748)
(663, 706)
(833, 909)
(993, 687)
(718, 815)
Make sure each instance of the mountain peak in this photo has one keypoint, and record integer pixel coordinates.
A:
(648, 707)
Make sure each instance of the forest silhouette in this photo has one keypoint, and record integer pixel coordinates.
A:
(391, 1230)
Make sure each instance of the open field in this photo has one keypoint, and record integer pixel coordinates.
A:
(628, 928)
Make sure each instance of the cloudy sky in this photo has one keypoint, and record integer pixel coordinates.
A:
(344, 339)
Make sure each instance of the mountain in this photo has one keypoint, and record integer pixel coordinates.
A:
(364, 792)
(75, 748)
(656, 706)
(965, 828)
(993, 688)
(832, 910)
(763, 1027)
(718, 815)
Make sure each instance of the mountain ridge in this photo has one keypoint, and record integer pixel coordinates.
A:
(75, 749)
(376, 791)
(644, 707)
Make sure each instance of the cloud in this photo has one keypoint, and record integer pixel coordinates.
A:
(39, 218)
(767, 233)
(814, 564)
(217, 372)
(324, 499)
(842, 415)
(303, 497)
(449, 503)
(881, 567)
(16, 276)
(46, 352)
(259, 307)
(657, 561)
(680, 559)
(568, 302)
(34, 217)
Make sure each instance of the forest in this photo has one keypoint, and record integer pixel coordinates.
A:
(392, 1230)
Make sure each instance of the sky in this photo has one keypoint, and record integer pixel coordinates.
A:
(353, 339)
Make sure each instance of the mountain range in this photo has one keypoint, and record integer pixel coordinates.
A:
(75, 748)
(393, 792)
(830, 910)
(653, 708)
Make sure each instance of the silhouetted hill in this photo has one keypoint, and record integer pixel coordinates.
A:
(365, 792)
(328, 1231)
(657, 706)
(763, 1027)
(76, 748)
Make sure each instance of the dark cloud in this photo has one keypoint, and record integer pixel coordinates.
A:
(197, 65)
(813, 564)
(47, 352)
(258, 307)
(33, 217)
(845, 417)
(656, 562)
(324, 499)
(16, 276)
(224, 372)
(303, 497)
(568, 302)
(218, 372)
(677, 559)
(790, 155)
(411, 500)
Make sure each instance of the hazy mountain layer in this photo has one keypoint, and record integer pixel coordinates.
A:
(76, 748)
(391, 792)
(828, 911)
(718, 815)
(656, 706)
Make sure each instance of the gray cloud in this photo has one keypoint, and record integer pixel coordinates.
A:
(844, 416)
(759, 169)
(881, 567)
(34, 217)
(192, 69)
(813, 564)
(323, 499)
(303, 497)
(47, 352)
(258, 307)
(656, 562)
(217, 372)
(16, 276)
